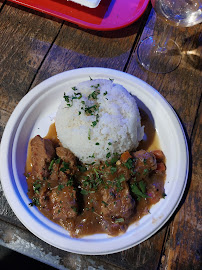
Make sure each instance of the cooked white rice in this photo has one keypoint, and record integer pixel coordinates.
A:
(112, 126)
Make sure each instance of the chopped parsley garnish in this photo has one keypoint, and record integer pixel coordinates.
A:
(92, 109)
(96, 86)
(84, 192)
(94, 123)
(51, 165)
(36, 186)
(119, 220)
(70, 182)
(35, 201)
(60, 186)
(107, 163)
(114, 160)
(129, 163)
(142, 186)
(97, 143)
(146, 171)
(89, 134)
(74, 208)
(65, 166)
(113, 169)
(57, 161)
(82, 168)
(164, 195)
(105, 93)
(67, 99)
(105, 204)
(139, 190)
(118, 182)
(108, 155)
(94, 94)
(77, 96)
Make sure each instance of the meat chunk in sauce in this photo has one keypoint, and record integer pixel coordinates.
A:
(63, 202)
(117, 203)
(116, 198)
(67, 156)
(42, 153)
(145, 162)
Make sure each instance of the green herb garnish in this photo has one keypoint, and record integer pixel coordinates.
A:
(108, 155)
(36, 186)
(105, 204)
(60, 186)
(84, 192)
(138, 192)
(119, 220)
(35, 201)
(113, 169)
(129, 163)
(89, 134)
(65, 166)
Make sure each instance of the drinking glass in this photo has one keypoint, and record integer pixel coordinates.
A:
(164, 55)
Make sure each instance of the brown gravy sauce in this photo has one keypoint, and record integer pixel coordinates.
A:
(142, 206)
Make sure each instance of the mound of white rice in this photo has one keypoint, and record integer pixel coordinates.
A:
(97, 119)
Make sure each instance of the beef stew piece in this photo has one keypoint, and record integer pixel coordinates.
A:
(42, 153)
(96, 198)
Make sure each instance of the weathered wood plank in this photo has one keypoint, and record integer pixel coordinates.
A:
(24, 242)
(182, 248)
(75, 48)
(25, 39)
(182, 89)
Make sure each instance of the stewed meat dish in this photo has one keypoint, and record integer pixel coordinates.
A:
(93, 198)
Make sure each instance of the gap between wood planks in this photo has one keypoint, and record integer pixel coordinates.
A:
(29, 88)
(196, 122)
(3, 4)
(139, 34)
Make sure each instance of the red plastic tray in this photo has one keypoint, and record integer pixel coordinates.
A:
(109, 15)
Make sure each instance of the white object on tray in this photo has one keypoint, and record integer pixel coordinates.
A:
(87, 3)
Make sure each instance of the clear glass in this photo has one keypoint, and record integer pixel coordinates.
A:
(163, 55)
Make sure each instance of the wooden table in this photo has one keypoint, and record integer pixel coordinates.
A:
(34, 47)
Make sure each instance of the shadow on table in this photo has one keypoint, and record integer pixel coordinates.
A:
(10, 259)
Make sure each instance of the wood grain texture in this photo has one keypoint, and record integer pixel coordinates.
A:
(182, 89)
(75, 48)
(25, 39)
(182, 249)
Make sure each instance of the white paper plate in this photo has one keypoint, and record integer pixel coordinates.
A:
(34, 114)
